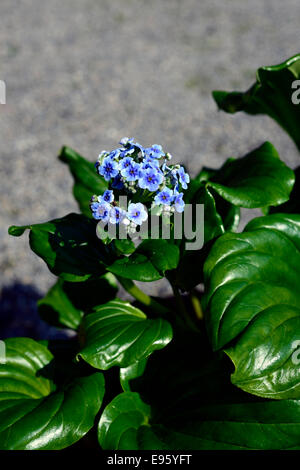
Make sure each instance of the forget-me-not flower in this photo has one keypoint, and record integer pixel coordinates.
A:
(179, 203)
(184, 178)
(131, 172)
(155, 151)
(109, 168)
(117, 182)
(165, 196)
(116, 215)
(129, 169)
(126, 141)
(125, 163)
(107, 196)
(100, 211)
(151, 179)
(137, 213)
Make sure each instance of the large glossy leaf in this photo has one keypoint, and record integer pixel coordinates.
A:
(219, 214)
(253, 304)
(120, 420)
(213, 224)
(57, 308)
(66, 302)
(149, 262)
(124, 246)
(241, 182)
(256, 180)
(34, 412)
(197, 408)
(292, 206)
(259, 179)
(86, 180)
(131, 372)
(271, 95)
(229, 213)
(231, 426)
(119, 334)
(69, 246)
(189, 271)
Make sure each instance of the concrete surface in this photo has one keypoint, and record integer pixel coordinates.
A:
(86, 73)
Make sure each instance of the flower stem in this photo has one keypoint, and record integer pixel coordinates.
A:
(139, 295)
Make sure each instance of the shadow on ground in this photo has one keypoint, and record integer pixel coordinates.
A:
(19, 315)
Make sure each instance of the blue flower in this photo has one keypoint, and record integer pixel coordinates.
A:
(179, 203)
(131, 167)
(139, 148)
(165, 196)
(117, 182)
(114, 153)
(125, 163)
(126, 141)
(94, 206)
(131, 145)
(127, 151)
(151, 179)
(103, 154)
(155, 151)
(137, 213)
(164, 166)
(116, 215)
(184, 178)
(133, 149)
(108, 169)
(149, 162)
(100, 211)
(176, 189)
(132, 172)
(107, 196)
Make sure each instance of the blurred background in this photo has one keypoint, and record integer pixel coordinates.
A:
(86, 73)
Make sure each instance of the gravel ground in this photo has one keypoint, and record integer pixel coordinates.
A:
(85, 73)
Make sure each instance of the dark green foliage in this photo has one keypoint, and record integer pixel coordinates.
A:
(177, 376)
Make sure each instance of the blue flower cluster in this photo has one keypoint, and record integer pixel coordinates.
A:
(142, 173)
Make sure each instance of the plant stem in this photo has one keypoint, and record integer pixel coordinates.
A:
(196, 305)
(139, 295)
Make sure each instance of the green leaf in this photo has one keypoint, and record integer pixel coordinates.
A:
(124, 247)
(194, 406)
(271, 95)
(259, 179)
(189, 272)
(86, 180)
(131, 372)
(66, 302)
(57, 309)
(120, 334)
(149, 262)
(292, 206)
(252, 181)
(136, 267)
(120, 420)
(213, 224)
(69, 246)
(34, 412)
(253, 304)
(161, 253)
(229, 213)
(232, 426)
